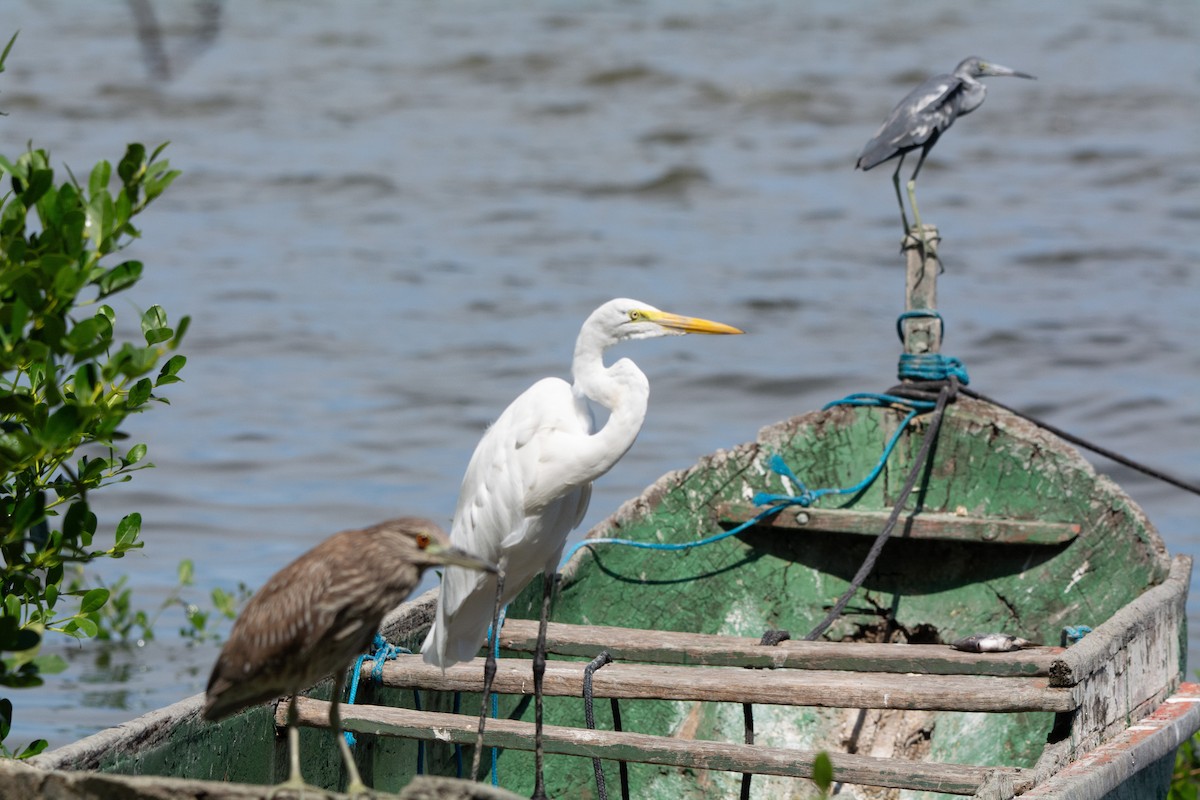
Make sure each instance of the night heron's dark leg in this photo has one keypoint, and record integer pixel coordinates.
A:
(539, 673)
(489, 674)
(355, 784)
(899, 198)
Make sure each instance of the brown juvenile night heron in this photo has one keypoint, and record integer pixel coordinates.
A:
(315, 615)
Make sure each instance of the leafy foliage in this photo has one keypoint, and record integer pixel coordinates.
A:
(823, 773)
(119, 621)
(68, 382)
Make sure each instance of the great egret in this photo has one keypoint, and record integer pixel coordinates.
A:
(530, 479)
(315, 615)
(924, 115)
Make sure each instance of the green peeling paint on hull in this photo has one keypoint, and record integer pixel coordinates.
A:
(987, 463)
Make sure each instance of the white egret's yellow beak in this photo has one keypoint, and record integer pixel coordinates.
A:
(677, 322)
(459, 558)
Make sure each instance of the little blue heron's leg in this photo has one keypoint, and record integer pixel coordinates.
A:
(355, 784)
(912, 196)
(489, 674)
(539, 673)
(899, 198)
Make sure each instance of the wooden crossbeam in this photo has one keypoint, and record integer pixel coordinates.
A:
(825, 688)
(670, 647)
(923, 525)
(643, 748)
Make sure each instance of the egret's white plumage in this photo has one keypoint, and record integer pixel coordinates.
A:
(530, 479)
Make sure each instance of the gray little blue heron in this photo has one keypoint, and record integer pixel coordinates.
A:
(923, 116)
(316, 614)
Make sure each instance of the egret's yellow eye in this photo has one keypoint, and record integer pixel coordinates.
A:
(636, 315)
(423, 540)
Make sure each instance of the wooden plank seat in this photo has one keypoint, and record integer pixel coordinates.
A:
(923, 525)
(667, 751)
(670, 647)
(824, 688)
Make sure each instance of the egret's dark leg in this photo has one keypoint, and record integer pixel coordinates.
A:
(539, 673)
(354, 784)
(899, 198)
(489, 674)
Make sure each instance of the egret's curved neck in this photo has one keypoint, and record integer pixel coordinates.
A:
(622, 388)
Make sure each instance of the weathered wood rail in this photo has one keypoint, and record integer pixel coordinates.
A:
(821, 688)
(670, 647)
(923, 525)
(690, 753)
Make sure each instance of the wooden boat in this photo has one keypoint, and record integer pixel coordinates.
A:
(1008, 530)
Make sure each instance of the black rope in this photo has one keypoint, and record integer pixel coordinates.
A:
(770, 638)
(589, 718)
(946, 394)
(1095, 448)
(622, 766)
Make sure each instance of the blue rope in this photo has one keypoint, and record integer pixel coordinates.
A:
(928, 366)
(494, 638)
(1073, 633)
(384, 651)
(931, 367)
(806, 497)
(777, 502)
(920, 313)
(716, 537)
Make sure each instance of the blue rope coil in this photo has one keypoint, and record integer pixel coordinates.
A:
(383, 651)
(928, 366)
(931, 367)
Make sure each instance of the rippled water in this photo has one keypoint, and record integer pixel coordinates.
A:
(394, 216)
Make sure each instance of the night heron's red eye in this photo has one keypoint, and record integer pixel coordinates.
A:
(422, 540)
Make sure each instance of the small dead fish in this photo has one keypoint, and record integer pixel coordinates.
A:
(991, 643)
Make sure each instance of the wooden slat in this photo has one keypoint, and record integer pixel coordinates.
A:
(924, 525)
(1097, 772)
(825, 688)
(1096, 650)
(670, 647)
(643, 748)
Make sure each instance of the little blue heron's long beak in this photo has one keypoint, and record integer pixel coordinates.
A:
(458, 558)
(677, 322)
(1002, 71)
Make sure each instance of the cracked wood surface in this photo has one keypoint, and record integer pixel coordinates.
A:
(669, 647)
(810, 687)
(689, 753)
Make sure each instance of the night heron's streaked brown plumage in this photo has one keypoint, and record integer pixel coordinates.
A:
(317, 614)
